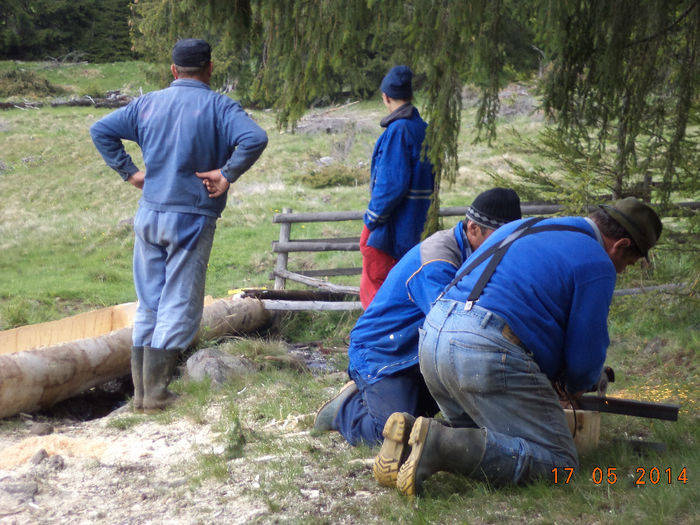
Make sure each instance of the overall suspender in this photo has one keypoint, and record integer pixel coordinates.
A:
(498, 251)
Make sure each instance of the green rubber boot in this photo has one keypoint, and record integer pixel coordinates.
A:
(158, 368)
(137, 377)
(323, 422)
(395, 449)
(434, 448)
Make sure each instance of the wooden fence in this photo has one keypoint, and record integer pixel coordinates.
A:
(286, 245)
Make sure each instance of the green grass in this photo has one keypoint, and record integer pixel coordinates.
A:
(86, 79)
(65, 247)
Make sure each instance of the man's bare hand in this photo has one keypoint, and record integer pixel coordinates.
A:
(215, 183)
(136, 179)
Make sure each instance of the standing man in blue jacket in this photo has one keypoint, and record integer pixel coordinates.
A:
(401, 185)
(195, 144)
(383, 351)
(530, 307)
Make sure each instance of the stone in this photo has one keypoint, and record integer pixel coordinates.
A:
(218, 366)
(39, 456)
(41, 429)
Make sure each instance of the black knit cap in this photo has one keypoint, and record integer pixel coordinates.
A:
(494, 208)
(191, 52)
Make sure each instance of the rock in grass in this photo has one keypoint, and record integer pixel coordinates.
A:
(218, 366)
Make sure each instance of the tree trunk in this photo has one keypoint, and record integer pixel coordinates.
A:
(34, 379)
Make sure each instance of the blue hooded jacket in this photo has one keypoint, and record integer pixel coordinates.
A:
(401, 185)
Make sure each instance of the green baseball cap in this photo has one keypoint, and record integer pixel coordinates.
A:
(639, 219)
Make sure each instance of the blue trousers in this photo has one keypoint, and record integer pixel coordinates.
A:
(361, 418)
(171, 253)
(478, 376)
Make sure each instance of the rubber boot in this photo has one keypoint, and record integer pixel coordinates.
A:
(395, 449)
(137, 377)
(158, 368)
(434, 448)
(323, 422)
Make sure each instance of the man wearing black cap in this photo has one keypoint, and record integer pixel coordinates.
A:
(383, 350)
(401, 185)
(195, 143)
(528, 308)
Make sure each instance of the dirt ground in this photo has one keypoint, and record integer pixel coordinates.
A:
(96, 472)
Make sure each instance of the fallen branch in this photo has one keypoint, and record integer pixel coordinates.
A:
(318, 283)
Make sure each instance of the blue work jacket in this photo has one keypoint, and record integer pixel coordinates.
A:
(183, 129)
(401, 185)
(384, 340)
(554, 289)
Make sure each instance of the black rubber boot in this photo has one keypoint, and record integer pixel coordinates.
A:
(158, 368)
(137, 377)
(434, 448)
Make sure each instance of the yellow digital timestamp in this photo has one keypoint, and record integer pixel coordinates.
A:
(609, 475)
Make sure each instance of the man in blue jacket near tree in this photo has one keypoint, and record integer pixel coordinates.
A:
(195, 144)
(528, 308)
(401, 185)
(383, 351)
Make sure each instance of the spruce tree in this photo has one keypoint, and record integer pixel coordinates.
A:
(619, 78)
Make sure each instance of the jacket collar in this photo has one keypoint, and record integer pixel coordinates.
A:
(189, 82)
(405, 111)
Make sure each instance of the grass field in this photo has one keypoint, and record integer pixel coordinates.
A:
(65, 247)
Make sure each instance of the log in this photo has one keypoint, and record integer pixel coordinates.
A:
(81, 326)
(276, 305)
(294, 295)
(20, 105)
(584, 426)
(34, 379)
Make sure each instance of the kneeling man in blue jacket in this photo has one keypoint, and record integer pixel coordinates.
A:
(383, 348)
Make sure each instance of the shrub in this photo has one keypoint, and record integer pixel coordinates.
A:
(20, 82)
(334, 175)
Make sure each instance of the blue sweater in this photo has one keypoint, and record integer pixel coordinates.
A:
(554, 290)
(182, 129)
(400, 186)
(384, 340)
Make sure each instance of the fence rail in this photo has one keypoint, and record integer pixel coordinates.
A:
(286, 245)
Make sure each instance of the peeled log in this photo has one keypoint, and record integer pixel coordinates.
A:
(35, 379)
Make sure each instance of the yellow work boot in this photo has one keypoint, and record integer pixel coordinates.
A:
(395, 449)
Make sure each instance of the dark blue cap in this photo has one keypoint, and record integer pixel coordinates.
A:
(191, 52)
(397, 83)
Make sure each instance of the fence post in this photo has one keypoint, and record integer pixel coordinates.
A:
(282, 257)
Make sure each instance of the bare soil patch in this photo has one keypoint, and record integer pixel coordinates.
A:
(94, 472)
